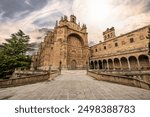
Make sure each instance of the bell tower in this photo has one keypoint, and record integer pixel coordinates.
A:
(73, 18)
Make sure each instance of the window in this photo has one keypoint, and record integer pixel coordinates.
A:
(73, 20)
(131, 40)
(95, 50)
(51, 48)
(104, 47)
(116, 44)
(142, 37)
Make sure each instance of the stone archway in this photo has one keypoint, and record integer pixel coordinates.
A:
(117, 64)
(105, 64)
(110, 62)
(96, 65)
(144, 62)
(100, 64)
(133, 63)
(124, 62)
(75, 52)
(73, 64)
(92, 65)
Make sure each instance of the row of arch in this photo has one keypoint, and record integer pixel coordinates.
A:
(142, 62)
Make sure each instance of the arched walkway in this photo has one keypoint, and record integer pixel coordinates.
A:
(100, 64)
(124, 62)
(110, 62)
(133, 63)
(96, 65)
(104, 64)
(117, 64)
(144, 62)
(92, 65)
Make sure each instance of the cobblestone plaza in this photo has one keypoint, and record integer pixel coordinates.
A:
(74, 85)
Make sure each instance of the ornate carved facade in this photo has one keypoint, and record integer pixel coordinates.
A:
(65, 46)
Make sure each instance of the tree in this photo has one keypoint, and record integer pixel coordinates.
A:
(12, 54)
(148, 37)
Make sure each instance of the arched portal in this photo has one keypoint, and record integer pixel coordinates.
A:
(75, 52)
(144, 62)
(73, 64)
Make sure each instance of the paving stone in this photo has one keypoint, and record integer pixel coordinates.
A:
(74, 85)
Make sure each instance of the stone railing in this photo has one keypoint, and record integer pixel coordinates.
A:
(28, 79)
(125, 80)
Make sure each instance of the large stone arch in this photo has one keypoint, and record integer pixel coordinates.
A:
(124, 62)
(110, 62)
(92, 65)
(74, 51)
(117, 63)
(104, 64)
(144, 62)
(133, 63)
(77, 37)
(96, 65)
(100, 64)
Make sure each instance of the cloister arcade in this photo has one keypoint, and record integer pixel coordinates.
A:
(141, 62)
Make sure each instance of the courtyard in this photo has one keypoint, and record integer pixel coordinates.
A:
(74, 85)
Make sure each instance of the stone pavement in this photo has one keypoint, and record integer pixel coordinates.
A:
(74, 85)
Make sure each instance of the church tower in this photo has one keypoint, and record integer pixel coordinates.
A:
(66, 46)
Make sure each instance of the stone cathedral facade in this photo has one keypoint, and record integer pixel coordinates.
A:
(66, 46)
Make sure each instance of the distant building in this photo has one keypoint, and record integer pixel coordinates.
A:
(126, 52)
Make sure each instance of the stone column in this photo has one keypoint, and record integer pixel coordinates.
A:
(120, 64)
(94, 64)
(107, 65)
(97, 65)
(138, 62)
(113, 65)
(149, 59)
(102, 65)
(128, 64)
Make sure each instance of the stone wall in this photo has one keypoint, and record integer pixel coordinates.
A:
(125, 80)
(28, 80)
(121, 43)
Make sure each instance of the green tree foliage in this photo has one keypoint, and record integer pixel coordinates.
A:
(12, 54)
(148, 37)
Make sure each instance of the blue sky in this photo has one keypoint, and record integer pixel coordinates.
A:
(30, 15)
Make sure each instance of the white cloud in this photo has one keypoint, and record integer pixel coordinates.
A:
(123, 15)
(27, 2)
(97, 14)
(1, 14)
(26, 24)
